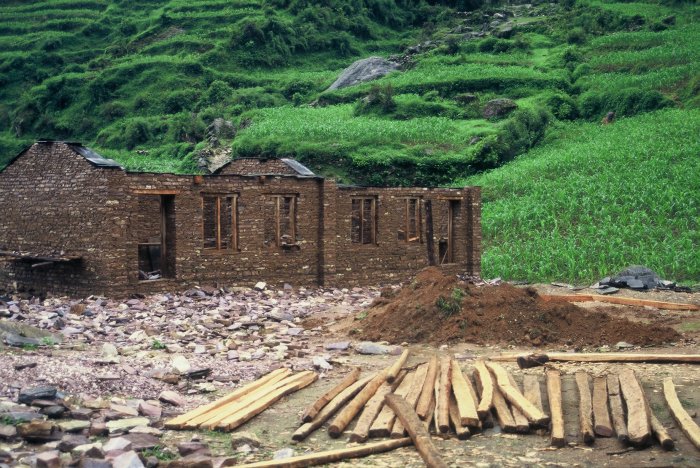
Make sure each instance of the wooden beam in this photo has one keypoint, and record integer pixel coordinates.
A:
(475, 398)
(601, 416)
(610, 357)
(330, 409)
(617, 411)
(503, 413)
(661, 433)
(342, 420)
(533, 391)
(688, 426)
(427, 391)
(429, 233)
(443, 406)
(155, 192)
(516, 398)
(558, 438)
(638, 426)
(585, 407)
(313, 410)
(466, 406)
(416, 430)
(398, 430)
(620, 300)
(522, 424)
(382, 425)
(179, 421)
(486, 382)
(462, 432)
(396, 367)
(332, 456)
(361, 431)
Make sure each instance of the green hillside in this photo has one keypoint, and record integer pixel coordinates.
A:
(141, 80)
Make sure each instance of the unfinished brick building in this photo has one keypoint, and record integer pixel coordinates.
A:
(76, 223)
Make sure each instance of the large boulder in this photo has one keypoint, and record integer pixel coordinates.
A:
(497, 108)
(364, 70)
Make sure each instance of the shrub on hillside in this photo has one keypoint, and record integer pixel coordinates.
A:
(625, 102)
(180, 100)
(380, 100)
(562, 106)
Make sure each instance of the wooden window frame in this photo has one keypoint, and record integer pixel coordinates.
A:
(373, 217)
(279, 200)
(418, 220)
(234, 241)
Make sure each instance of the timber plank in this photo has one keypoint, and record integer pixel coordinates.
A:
(638, 427)
(555, 407)
(585, 413)
(601, 416)
(688, 426)
(616, 409)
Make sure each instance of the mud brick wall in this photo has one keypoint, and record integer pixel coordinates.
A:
(254, 166)
(57, 203)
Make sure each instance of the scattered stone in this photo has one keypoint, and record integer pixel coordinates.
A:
(74, 425)
(110, 353)
(338, 346)
(284, 453)
(321, 363)
(174, 398)
(180, 364)
(117, 443)
(369, 347)
(28, 365)
(150, 410)
(28, 395)
(39, 431)
(623, 345)
(94, 463)
(98, 428)
(294, 331)
(497, 108)
(123, 411)
(194, 460)
(281, 316)
(141, 441)
(50, 459)
(608, 290)
(127, 460)
(24, 416)
(123, 425)
(7, 432)
(244, 438)
(82, 414)
(188, 448)
(363, 70)
(54, 411)
(260, 286)
(69, 442)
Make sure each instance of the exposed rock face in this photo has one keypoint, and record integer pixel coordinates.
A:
(364, 70)
(500, 107)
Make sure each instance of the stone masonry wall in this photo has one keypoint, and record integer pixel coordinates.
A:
(254, 166)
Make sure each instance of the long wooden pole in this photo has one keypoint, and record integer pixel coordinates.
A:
(313, 410)
(412, 398)
(342, 420)
(638, 424)
(416, 430)
(361, 431)
(617, 411)
(429, 235)
(486, 384)
(426, 394)
(620, 300)
(331, 456)
(396, 367)
(514, 396)
(444, 392)
(466, 406)
(688, 426)
(601, 416)
(555, 407)
(609, 357)
(585, 413)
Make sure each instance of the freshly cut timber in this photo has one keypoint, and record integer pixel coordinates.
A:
(620, 300)
(416, 430)
(412, 398)
(532, 390)
(274, 376)
(585, 406)
(313, 410)
(514, 396)
(616, 409)
(462, 432)
(466, 406)
(330, 409)
(443, 406)
(485, 380)
(601, 416)
(638, 427)
(503, 413)
(382, 425)
(347, 414)
(688, 426)
(235, 420)
(609, 357)
(396, 367)
(426, 394)
(661, 433)
(554, 394)
(361, 431)
(522, 425)
(331, 456)
(475, 398)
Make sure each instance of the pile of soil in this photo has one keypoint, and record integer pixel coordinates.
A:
(494, 314)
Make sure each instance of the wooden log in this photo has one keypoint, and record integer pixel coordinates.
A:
(318, 405)
(486, 419)
(522, 425)
(475, 398)
(330, 409)
(688, 426)
(466, 406)
(661, 433)
(210, 419)
(398, 431)
(532, 390)
(396, 367)
(234, 421)
(601, 416)
(558, 438)
(429, 417)
(361, 431)
(620, 300)
(429, 235)
(617, 411)
(384, 422)
(516, 398)
(638, 426)
(503, 413)
(610, 357)
(585, 407)
(178, 421)
(483, 376)
(427, 391)
(443, 406)
(332, 456)
(341, 421)
(416, 430)
(462, 432)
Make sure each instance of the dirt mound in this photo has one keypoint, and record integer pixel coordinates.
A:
(436, 308)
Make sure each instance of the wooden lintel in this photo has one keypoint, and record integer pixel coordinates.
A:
(155, 192)
(38, 258)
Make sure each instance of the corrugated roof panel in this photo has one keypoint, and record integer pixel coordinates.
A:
(297, 166)
(96, 159)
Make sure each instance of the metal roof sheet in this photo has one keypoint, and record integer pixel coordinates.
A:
(96, 159)
(298, 167)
